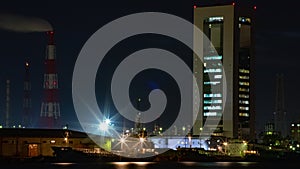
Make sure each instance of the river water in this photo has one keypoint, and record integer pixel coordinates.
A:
(156, 165)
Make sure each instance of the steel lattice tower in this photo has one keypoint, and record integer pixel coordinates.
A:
(280, 113)
(7, 113)
(26, 120)
(50, 109)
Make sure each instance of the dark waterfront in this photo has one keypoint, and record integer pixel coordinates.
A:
(155, 165)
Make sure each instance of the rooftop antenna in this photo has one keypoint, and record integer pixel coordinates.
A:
(138, 118)
(27, 100)
(7, 122)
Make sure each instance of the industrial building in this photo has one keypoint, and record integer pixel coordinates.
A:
(225, 72)
(23, 142)
(295, 131)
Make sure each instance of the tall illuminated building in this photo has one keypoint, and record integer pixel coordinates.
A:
(230, 31)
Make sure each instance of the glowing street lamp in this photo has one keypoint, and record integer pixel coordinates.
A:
(225, 144)
(190, 141)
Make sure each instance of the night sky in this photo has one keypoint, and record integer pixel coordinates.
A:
(277, 41)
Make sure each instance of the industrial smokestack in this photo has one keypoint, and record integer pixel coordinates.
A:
(19, 23)
(50, 37)
(7, 103)
(50, 109)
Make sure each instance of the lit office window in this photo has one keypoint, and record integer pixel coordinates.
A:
(212, 95)
(245, 20)
(212, 114)
(243, 101)
(212, 57)
(244, 71)
(244, 89)
(243, 108)
(244, 83)
(244, 114)
(243, 96)
(218, 76)
(212, 70)
(244, 77)
(212, 108)
(215, 19)
(212, 101)
(212, 83)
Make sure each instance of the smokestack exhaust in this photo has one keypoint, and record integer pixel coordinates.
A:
(50, 108)
(19, 23)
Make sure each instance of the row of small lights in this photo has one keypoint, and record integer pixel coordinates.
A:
(254, 7)
(291, 147)
(294, 148)
(19, 126)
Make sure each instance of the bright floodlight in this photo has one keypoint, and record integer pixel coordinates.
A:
(122, 140)
(142, 140)
(107, 121)
(103, 126)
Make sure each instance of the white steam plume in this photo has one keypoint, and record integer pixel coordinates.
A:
(19, 23)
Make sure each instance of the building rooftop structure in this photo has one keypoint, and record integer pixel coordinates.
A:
(29, 142)
(30, 132)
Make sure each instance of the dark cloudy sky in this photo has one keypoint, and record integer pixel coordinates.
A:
(277, 41)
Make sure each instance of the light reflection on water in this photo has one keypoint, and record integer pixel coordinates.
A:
(64, 164)
(184, 165)
(121, 165)
(247, 163)
(224, 164)
(201, 165)
(189, 163)
(155, 165)
(130, 165)
(218, 164)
